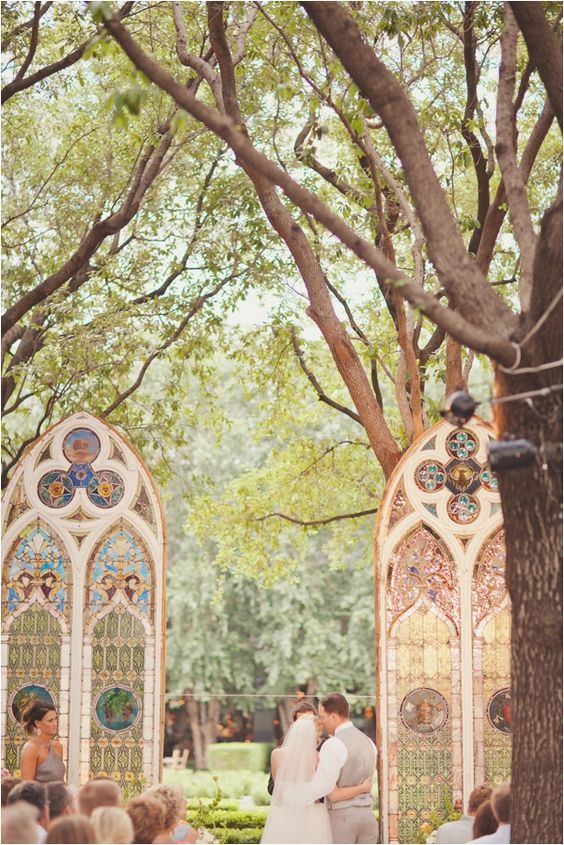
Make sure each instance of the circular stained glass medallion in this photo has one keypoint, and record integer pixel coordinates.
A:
(55, 489)
(81, 446)
(106, 489)
(424, 710)
(117, 708)
(463, 508)
(430, 476)
(26, 696)
(489, 480)
(499, 711)
(462, 444)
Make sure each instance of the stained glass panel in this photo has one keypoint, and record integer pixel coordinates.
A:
(37, 561)
(462, 443)
(424, 745)
(422, 566)
(430, 476)
(34, 660)
(121, 564)
(463, 508)
(488, 585)
(400, 506)
(497, 697)
(116, 726)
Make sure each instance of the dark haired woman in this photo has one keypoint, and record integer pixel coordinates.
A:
(42, 755)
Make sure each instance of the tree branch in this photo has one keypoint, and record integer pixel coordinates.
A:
(70, 59)
(506, 154)
(317, 521)
(322, 396)
(471, 334)
(544, 50)
(194, 308)
(473, 298)
(33, 41)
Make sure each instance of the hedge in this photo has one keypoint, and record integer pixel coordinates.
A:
(253, 756)
(242, 836)
(237, 818)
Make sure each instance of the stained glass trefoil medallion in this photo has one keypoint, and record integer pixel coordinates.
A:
(106, 489)
(462, 444)
(55, 489)
(430, 475)
(463, 508)
(117, 708)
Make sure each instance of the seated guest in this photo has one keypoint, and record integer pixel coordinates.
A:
(148, 817)
(60, 799)
(172, 796)
(461, 830)
(71, 830)
(485, 821)
(35, 794)
(8, 783)
(100, 792)
(19, 824)
(112, 825)
(501, 805)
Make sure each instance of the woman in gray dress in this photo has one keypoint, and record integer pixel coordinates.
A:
(42, 754)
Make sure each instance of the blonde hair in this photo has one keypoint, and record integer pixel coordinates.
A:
(172, 796)
(147, 814)
(19, 823)
(71, 830)
(112, 825)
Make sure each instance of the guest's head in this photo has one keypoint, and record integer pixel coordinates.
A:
(301, 709)
(71, 830)
(8, 784)
(19, 824)
(98, 793)
(40, 717)
(148, 817)
(60, 799)
(478, 796)
(485, 821)
(333, 711)
(501, 803)
(32, 793)
(112, 825)
(172, 796)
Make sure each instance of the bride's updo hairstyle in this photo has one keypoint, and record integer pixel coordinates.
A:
(35, 713)
(336, 703)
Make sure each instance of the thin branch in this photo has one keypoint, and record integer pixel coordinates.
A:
(196, 306)
(20, 28)
(33, 42)
(506, 154)
(482, 339)
(70, 59)
(321, 395)
(317, 521)
(544, 50)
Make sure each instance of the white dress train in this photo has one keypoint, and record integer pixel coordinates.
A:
(290, 819)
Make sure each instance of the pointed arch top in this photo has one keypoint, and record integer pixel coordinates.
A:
(444, 481)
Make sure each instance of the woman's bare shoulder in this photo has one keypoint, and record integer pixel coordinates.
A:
(58, 747)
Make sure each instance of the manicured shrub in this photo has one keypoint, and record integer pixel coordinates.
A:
(237, 818)
(253, 756)
(248, 835)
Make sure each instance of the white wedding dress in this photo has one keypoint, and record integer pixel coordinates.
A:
(289, 819)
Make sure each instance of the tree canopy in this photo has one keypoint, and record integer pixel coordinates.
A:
(161, 160)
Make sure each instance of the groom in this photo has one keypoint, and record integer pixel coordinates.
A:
(346, 759)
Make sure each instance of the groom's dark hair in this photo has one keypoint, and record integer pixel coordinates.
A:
(336, 703)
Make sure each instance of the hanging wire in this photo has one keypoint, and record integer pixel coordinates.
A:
(514, 368)
(170, 695)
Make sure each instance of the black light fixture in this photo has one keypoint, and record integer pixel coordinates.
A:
(459, 407)
(511, 454)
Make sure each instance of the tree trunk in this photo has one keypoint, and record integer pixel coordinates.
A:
(203, 718)
(531, 501)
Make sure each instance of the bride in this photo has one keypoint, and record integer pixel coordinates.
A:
(293, 766)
